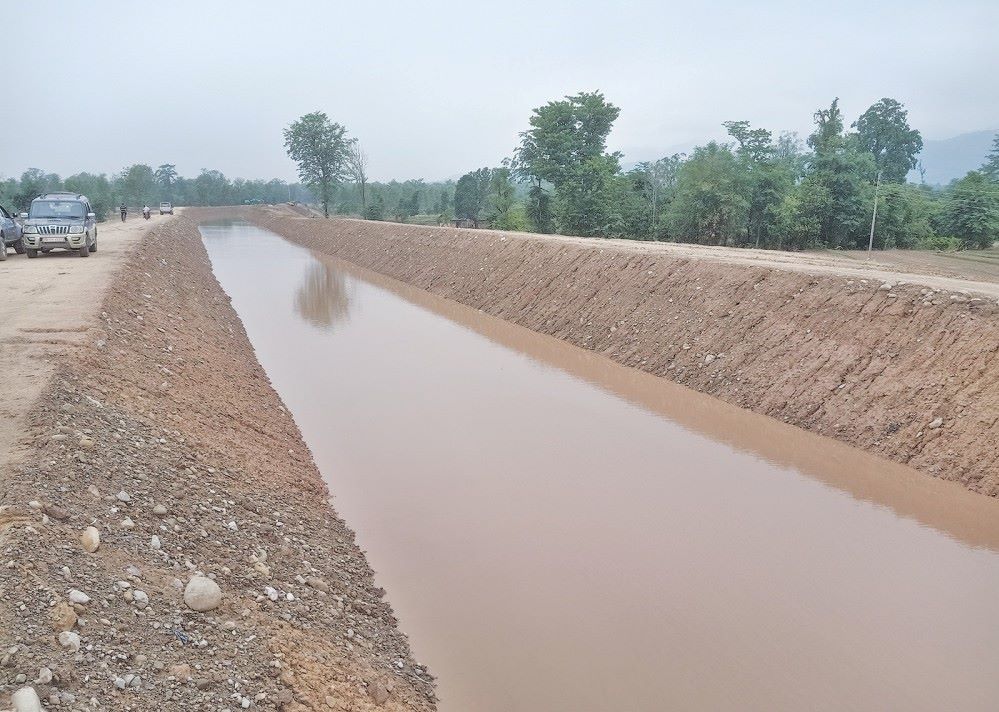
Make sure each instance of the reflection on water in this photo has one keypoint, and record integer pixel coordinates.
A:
(557, 532)
(322, 298)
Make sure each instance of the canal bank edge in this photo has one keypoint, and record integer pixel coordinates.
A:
(904, 371)
(159, 454)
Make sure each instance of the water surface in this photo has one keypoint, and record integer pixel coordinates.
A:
(558, 532)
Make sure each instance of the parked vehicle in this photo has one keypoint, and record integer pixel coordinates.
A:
(166, 208)
(60, 221)
(145, 211)
(10, 233)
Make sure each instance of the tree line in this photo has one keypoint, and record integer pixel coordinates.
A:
(140, 184)
(753, 190)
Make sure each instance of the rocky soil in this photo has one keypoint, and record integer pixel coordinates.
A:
(890, 363)
(167, 543)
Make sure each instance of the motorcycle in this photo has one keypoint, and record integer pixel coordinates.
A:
(145, 213)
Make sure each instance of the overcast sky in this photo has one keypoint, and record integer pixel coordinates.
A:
(433, 89)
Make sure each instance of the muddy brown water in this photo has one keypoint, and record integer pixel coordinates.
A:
(559, 532)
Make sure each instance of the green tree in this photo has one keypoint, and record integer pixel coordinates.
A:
(800, 216)
(971, 211)
(502, 209)
(884, 131)
(770, 175)
(321, 149)
(136, 185)
(656, 182)
(211, 188)
(375, 210)
(33, 183)
(166, 176)
(584, 203)
(97, 188)
(837, 172)
(990, 169)
(711, 203)
(565, 138)
(471, 193)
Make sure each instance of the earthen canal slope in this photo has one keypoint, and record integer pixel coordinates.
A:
(885, 360)
(160, 430)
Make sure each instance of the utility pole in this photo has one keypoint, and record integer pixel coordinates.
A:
(874, 217)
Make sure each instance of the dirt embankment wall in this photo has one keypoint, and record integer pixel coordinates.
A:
(163, 432)
(897, 369)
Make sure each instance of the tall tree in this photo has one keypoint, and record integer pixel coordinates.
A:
(971, 212)
(321, 149)
(562, 145)
(470, 194)
(501, 204)
(711, 197)
(990, 169)
(136, 185)
(884, 131)
(357, 163)
(166, 176)
(835, 184)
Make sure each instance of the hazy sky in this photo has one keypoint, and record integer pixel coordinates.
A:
(435, 88)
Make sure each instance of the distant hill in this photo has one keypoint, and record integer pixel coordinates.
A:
(950, 158)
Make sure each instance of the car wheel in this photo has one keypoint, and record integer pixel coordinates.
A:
(32, 254)
(19, 247)
(93, 245)
(84, 251)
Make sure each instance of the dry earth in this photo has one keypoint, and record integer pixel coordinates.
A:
(898, 363)
(157, 427)
(47, 305)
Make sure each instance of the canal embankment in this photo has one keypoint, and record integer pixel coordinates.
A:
(900, 365)
(158, 460)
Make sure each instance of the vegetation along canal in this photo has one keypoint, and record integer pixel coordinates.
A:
(558, 532)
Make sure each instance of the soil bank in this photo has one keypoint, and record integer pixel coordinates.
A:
(866, 355)
(160, 430)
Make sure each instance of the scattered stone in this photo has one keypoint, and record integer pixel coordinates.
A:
(378, 692)
(26, 700)
(55, 512)
(318, 584)
(87, 443)
(69, 639)
(123, 496)
(77, 596)
(127, 523)
(140, 599)
(936, 423)
(44, 676)
(154, 542)
(709, 358)
(202, 594)
(94, 491)
(63, 617)
(90, 539)
(159, 510)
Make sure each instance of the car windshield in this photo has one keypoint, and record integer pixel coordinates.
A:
(56, 209)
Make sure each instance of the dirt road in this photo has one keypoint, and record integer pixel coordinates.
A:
(47, 307)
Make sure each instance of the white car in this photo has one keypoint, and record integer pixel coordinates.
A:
(166, 208)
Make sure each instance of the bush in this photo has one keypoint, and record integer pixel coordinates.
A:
(938, 242)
